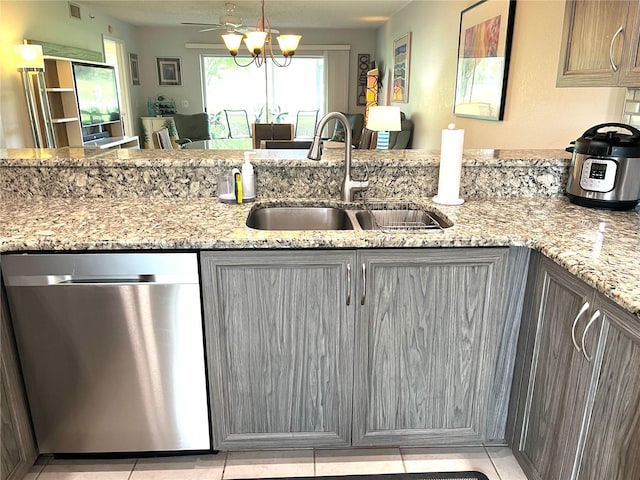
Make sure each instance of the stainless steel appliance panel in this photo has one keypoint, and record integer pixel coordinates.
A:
(111, 347)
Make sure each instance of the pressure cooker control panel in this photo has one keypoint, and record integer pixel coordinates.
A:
(598, 175)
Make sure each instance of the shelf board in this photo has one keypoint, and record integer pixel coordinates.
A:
(59, 89)
(64, 120)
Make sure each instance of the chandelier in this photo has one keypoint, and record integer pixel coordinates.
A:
(259, 43)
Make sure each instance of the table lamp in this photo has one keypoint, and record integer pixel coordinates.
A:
(383, 119)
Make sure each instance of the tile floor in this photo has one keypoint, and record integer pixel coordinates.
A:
(497, 463)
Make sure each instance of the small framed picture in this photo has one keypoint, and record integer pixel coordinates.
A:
(400, 72)
(169, 73)
(135, 70)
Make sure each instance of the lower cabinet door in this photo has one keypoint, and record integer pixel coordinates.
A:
(612, 446)
(556, 383)
(428, 329)
(279, 328)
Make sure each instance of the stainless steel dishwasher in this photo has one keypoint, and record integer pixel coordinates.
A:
(111, 348)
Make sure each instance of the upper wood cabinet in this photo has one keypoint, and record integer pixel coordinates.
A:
(600, 44)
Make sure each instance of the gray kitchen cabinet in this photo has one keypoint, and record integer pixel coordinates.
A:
(556, 382)
(18, 446)
(579, 402)
(428, 333)
(424, 330)
(612, 446)
(600, 44)
(279, 332)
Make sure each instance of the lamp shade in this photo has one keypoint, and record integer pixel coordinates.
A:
(255, 41)
(232, 42)
(288, 43)
(384, 119)
(28, 57)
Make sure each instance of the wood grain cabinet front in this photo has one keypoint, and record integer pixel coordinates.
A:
(428, 336)
(279, 330)
(424, 330)
(579, 406)
(600, 44)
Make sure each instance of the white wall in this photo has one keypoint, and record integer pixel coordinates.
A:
(537, 114)
(47, 21)
(50, 21)
(170, 42)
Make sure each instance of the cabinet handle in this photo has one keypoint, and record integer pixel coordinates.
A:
(584, 308)
(364, 283)
(348, 284)
(614, 67)
(584, 335)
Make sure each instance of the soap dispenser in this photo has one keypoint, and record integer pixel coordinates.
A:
(248, 178)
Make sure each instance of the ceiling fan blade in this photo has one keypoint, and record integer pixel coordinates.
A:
(202, 24)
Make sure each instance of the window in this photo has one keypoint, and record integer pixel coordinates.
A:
(268, 94)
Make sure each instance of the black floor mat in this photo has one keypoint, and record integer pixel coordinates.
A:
(395, 476)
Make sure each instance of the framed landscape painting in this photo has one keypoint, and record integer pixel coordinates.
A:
(484, 48)
(400, 72)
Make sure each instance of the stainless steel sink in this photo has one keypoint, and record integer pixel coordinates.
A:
(387, 219)
(381, 216)
(299, 218)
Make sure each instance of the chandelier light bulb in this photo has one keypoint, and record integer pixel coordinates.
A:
(259, 42)
(288, 44)
(232, 42)
(255, 42)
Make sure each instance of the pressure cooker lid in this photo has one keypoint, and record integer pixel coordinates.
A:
(613, 143)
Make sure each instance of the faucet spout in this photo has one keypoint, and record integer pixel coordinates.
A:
(349, 185)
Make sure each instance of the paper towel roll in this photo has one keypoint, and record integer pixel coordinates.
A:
(451, 149)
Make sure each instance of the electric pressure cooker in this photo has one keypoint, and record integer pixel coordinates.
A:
(605, 167)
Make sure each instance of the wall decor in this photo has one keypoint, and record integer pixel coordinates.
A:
(400, 72)
(484, 48)
(135, 70)
(66, 51)
(364, 60)
(169, 73)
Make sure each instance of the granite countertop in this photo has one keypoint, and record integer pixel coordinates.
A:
(600, 247)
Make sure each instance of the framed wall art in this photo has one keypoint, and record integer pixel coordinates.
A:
(135, 69)
(169, 72)
(400, 72)
(484, 48)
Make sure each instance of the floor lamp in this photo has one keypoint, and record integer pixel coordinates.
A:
(30, 63)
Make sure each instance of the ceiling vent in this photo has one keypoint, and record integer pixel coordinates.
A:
(74, 10)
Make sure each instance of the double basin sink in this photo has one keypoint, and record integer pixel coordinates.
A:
(382, 216)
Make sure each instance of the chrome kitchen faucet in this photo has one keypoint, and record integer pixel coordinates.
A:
(349, 186)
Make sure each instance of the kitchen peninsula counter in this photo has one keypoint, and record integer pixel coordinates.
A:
(600, 247)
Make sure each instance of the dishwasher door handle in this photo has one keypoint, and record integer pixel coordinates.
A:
(71, 280)
(110, 280)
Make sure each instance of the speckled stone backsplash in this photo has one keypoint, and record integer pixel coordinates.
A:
(400, 174)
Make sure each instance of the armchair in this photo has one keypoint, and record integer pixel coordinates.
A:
(356, 121)
(192, 127)
(401, 140)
